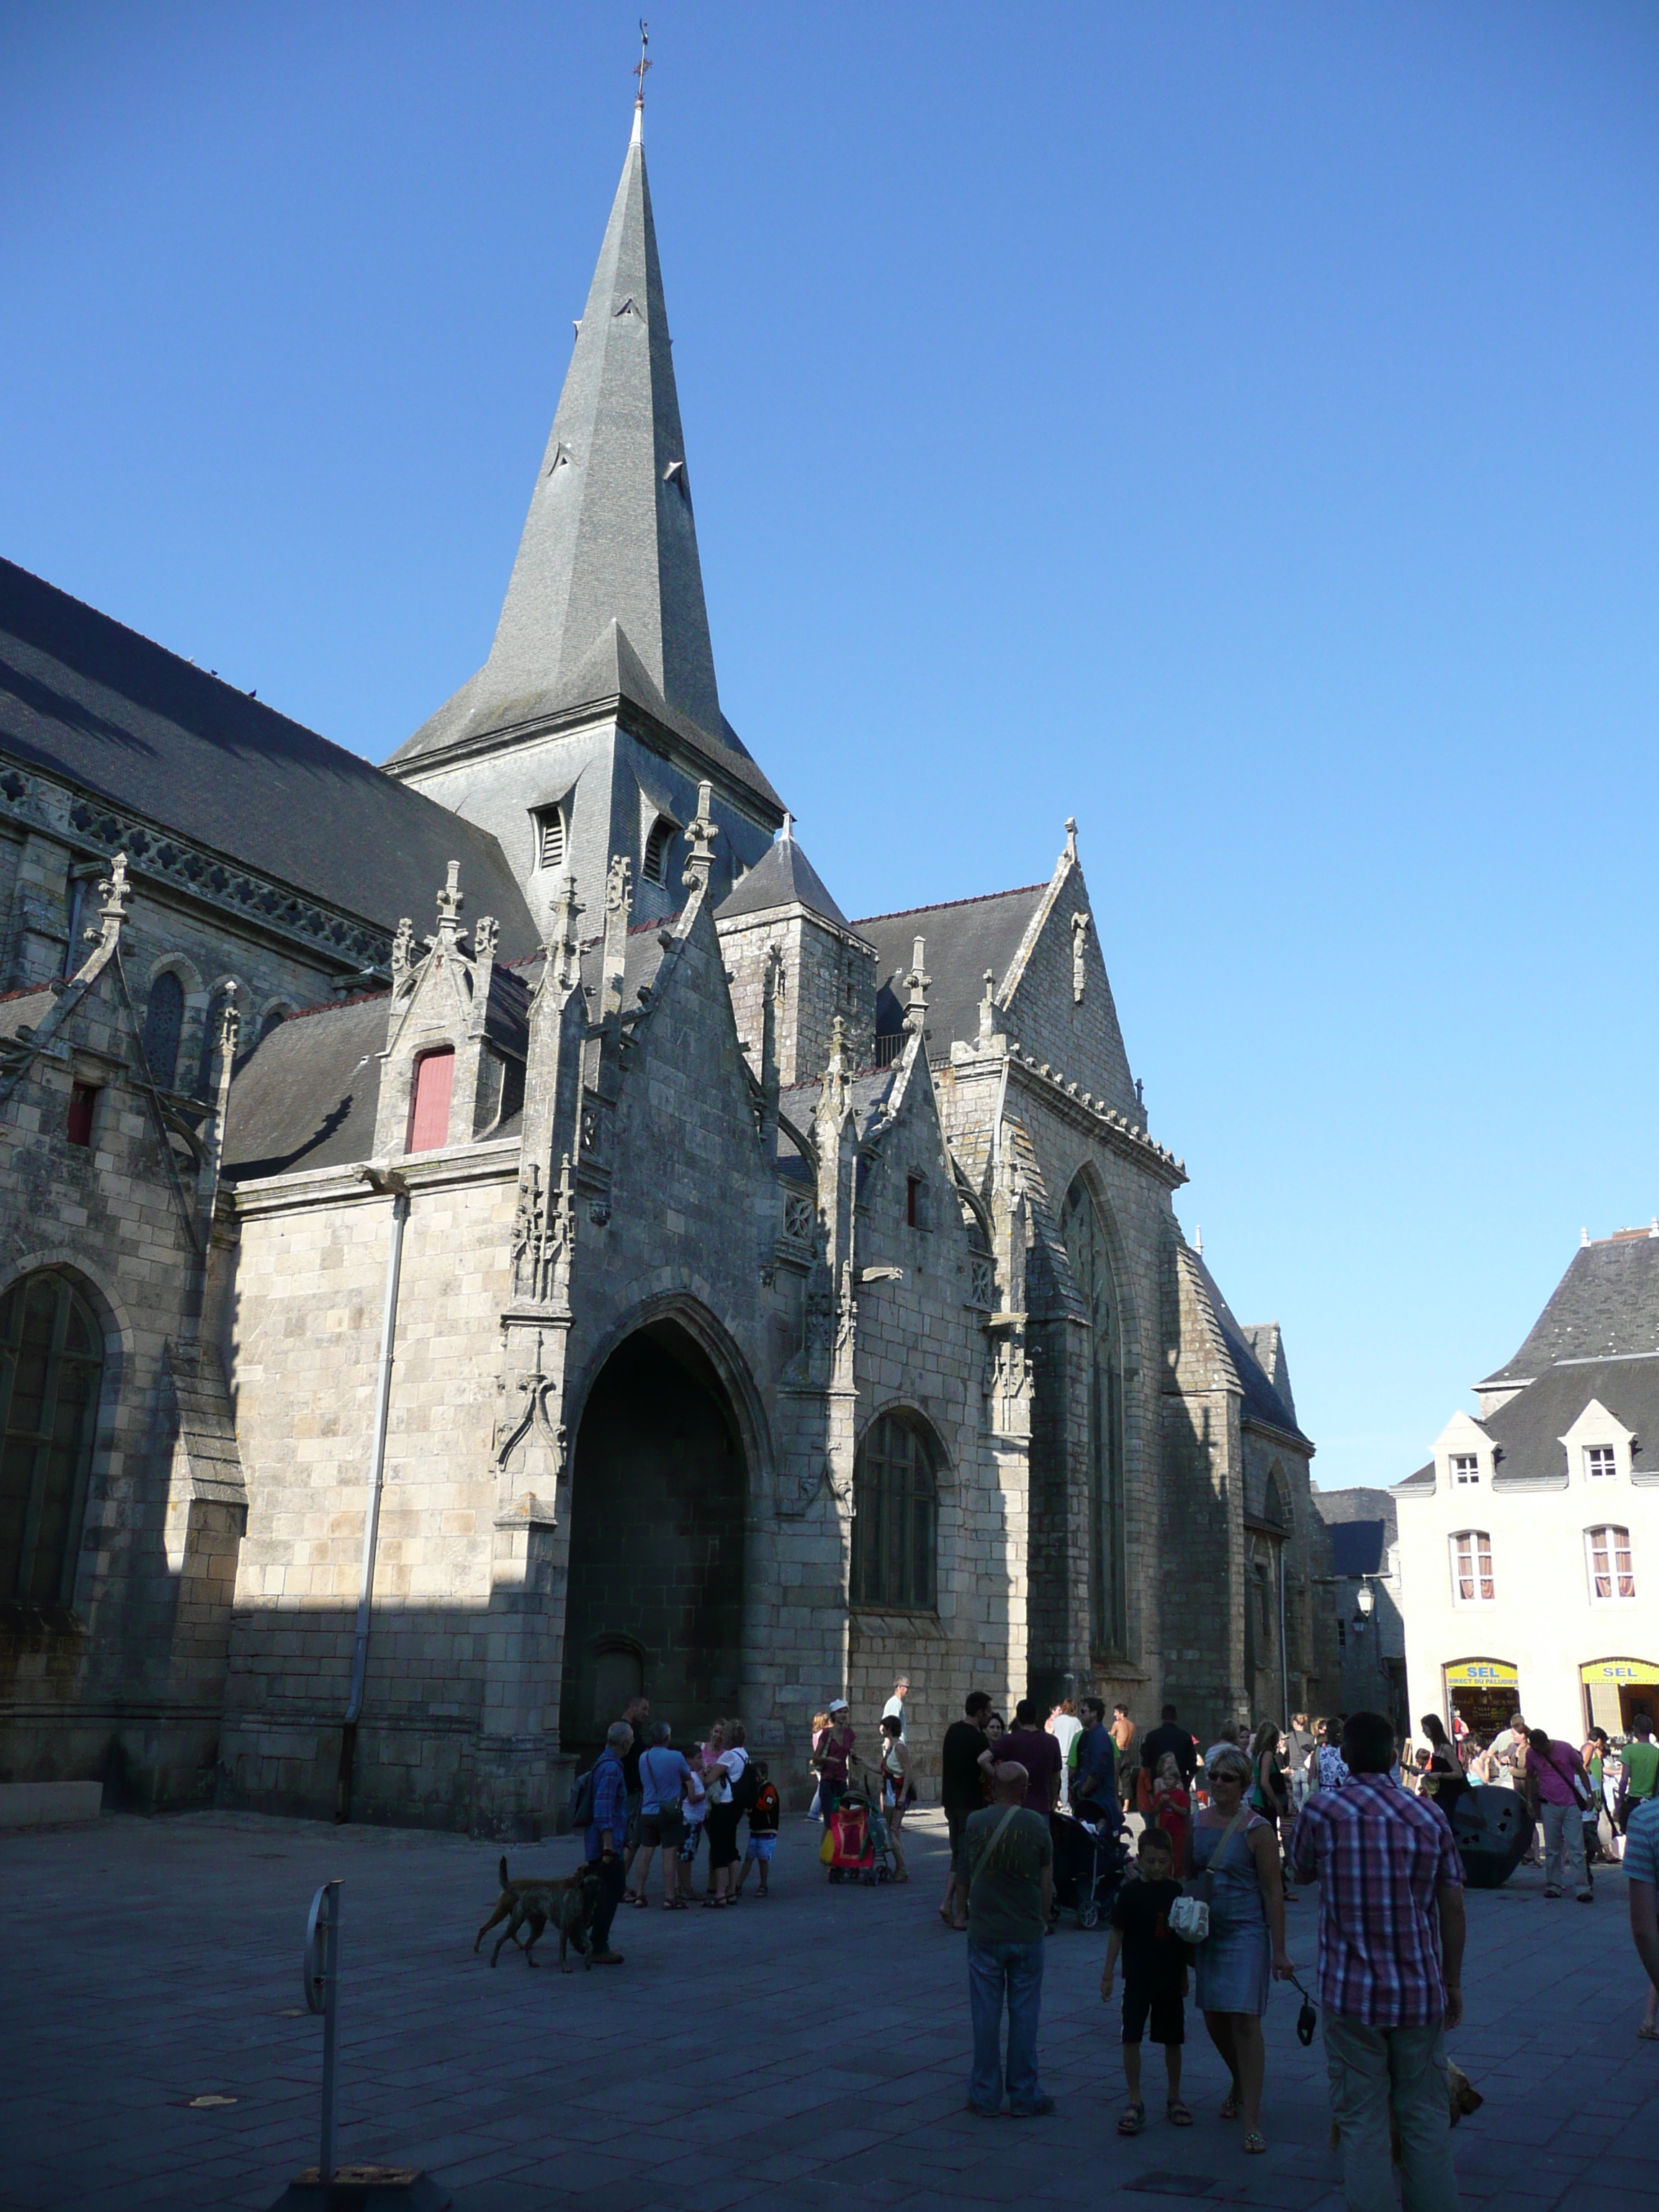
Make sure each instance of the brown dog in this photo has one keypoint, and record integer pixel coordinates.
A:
(536, 1900)
(1462, 2097)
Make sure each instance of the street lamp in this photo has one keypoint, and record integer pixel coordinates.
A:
(1364, 1600)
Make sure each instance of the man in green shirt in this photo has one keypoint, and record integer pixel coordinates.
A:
(1641, 1763)
(1008, 1867)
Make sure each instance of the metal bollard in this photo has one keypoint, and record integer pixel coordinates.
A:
(328, 2186)
(322, 1981)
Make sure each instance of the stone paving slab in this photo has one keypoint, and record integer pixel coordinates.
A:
(797, 2049)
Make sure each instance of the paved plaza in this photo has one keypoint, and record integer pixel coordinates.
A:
(810, 2051)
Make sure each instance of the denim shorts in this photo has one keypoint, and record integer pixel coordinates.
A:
(762, 1847)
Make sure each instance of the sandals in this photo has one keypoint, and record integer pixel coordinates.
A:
(1254, 2141)
(1132, 2120)
(1229, 2105)
(1649, 2034)
(630, 1896)
(640, 1904)
(1177, 2114)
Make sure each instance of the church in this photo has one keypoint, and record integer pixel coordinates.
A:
(486, 1238)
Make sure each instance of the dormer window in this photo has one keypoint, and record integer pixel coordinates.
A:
(1601, 1460)
(657, 845)
(1464, 1470)
(549, 838)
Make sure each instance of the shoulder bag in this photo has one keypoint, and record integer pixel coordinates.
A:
(1580, 1788)
(1189, 1916)
(995, 1839)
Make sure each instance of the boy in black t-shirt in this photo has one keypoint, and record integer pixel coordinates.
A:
(1154, 1976)
(764, 1814)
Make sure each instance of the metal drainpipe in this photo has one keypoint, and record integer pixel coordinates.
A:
(384, 1180)
(1283, 1654)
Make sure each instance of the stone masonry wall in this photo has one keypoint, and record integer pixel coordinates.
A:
(827, 972)
(303, 1350)
(125, 1683)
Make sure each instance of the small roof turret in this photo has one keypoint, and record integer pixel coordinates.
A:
(783, 875)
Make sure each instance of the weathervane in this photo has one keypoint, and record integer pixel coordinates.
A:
(644, 62)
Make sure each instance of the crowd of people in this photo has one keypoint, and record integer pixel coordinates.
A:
(1224, 1839)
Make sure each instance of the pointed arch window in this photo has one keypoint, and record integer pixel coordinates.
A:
(896, 1517)
(164, 1024)
(51, 1357)
(1084, 1236)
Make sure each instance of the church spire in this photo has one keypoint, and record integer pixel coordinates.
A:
(606, 592)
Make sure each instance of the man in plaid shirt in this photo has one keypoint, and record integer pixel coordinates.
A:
(1390, 1962)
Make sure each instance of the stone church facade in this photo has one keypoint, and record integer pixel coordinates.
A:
(418, 1338)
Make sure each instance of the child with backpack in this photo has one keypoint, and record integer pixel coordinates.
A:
(765, 1811)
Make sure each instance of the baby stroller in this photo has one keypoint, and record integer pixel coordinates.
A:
(858, 1844)
(1089, 1861)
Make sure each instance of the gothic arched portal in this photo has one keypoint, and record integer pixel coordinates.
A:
(1091, 1271)
(656, 1542)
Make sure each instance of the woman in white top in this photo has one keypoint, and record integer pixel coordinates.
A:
(1066, 1727)
(894, 1788)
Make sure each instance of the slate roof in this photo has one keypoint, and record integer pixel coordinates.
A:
(1528, 1432)
(25, 1009)
(1606, 1301)
(962, 938)
(121, 717)
(1262, 1402)
(868, 1088)
(1360, 1502)
(307, 1095)
(783, 875)
(1359, 1547)
(605, 600)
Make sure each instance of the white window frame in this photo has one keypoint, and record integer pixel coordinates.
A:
(1464, 1470)
(1479, 1542)
(1611, 1551)
(1601, 1462)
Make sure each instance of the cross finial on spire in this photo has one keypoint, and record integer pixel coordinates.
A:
(638, 70)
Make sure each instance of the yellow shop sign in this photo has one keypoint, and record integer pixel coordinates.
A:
(1619, 1670)
(1490, 1673)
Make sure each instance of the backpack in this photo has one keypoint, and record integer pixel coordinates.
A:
(746, 1789)
(581, 1800)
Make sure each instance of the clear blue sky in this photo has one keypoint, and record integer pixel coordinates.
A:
(1232, 426)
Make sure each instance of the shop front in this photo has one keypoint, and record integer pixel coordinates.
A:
(1483, 1692)
(1616, 1690)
